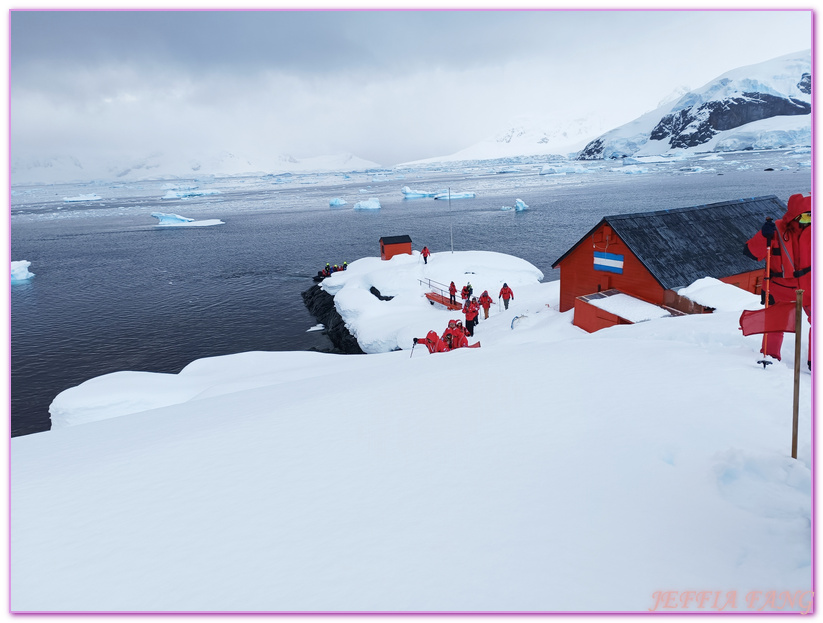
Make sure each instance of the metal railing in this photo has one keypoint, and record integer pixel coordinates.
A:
(439, 288)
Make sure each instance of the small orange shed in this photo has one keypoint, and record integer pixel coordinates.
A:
(394, 245)
(650, 255)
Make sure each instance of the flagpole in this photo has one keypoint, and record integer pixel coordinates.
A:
(451, 231)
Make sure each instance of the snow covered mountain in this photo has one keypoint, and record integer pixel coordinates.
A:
(763, 106)
(160, 165)
(528, 136)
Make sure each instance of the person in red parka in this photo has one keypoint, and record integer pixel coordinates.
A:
(425, 253)
(471, 309)
(452, 293)
(485, 302)
(506, 294)
(452, 329)
(790, 262)
(434, 343)
(459, 340)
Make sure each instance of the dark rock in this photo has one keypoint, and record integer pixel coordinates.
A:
(321, 305)
(592, 151)
(805, 84)
(697, 125)
(376, 292)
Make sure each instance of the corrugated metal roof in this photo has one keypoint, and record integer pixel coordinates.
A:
(397, 239)
(681, 245)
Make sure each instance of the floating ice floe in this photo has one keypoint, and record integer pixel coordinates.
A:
(185, 194)
(20, 271)
(175, 220)
(408, 193)
(454, 196)
(520, 205)
(562, 169)
(631, 169)
(337, 201)
(317, 327)
(90, 197)
(368, 204)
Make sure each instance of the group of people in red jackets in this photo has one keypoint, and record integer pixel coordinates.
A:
(455, 336)
(473, 305)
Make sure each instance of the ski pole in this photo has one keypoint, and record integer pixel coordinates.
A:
(413, 345)
(767, 278)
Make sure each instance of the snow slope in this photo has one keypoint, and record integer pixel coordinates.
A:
(763, 106)
(527, 136)
(548, 470)
(61, 168)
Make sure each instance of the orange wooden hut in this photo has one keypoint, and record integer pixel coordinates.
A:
(394, 245)
(650, 255)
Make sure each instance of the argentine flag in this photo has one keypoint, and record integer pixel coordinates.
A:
(608, 262)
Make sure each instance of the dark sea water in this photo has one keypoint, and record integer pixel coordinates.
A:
(114, 292)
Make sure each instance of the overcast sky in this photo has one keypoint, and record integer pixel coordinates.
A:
(387, 86)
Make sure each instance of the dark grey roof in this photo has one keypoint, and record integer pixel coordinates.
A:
(398, 239)
(682, 245)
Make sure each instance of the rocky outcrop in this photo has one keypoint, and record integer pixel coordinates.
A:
(321, 305)
(697, 125)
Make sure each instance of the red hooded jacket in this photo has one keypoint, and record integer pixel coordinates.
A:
(791, 253)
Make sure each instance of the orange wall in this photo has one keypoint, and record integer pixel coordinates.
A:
(751, 281)
(388, 251)
(591, 318)
(578, 276)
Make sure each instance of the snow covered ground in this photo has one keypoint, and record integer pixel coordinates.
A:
(548, 470)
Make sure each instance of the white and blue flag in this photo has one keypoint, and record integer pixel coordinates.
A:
(609, 262)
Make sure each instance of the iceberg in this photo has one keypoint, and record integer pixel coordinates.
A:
(519, 206)
(562, 169)
(368, 204)
(175, 220)
(454, 196)
(90, 197)
(408, 193)
(20, 271)
(337, 201)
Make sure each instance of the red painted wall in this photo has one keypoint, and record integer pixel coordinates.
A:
(578, 276)
(591, 318)
(388, 251)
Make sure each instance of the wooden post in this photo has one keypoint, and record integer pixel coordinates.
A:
(798, 324)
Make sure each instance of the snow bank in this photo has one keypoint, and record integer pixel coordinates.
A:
(20, 271)
(175, 220)
(630, 308)
(549, 470)
(382, 326)
(711, 292)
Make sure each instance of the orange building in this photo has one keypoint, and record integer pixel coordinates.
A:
(650, 255)
(394, 245)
